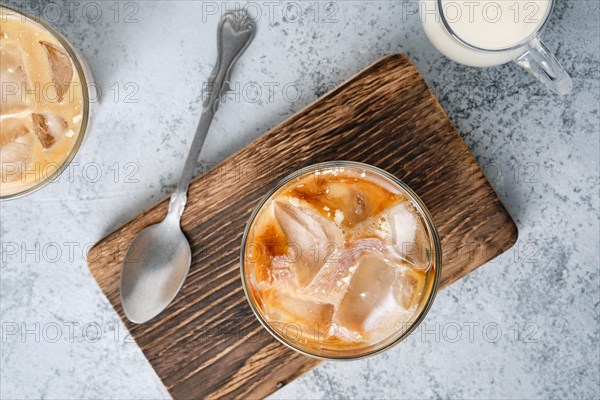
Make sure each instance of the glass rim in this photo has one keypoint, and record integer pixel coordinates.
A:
(430, 225)
(516, 46)
(83, 130)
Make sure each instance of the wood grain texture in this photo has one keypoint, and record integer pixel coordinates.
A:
(208, 344)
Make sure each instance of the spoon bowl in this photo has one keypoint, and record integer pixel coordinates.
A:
(155, 267)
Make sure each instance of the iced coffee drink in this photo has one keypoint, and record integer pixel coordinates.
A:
(44, 103)
(341, 260)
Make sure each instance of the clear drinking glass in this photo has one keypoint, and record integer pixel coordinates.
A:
(52, 170)
(484, 33)
(318, 344)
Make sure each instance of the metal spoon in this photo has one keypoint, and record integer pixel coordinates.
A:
(158, 260)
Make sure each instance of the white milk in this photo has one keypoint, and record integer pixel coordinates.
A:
(492, 25)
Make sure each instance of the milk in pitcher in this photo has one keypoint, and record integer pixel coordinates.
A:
(492, 28)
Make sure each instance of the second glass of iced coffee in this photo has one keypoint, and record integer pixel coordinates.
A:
(341, 260)
(45, 106)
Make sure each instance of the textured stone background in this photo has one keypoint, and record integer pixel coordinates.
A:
(528, 321)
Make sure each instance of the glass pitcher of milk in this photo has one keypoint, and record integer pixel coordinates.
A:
(485, 33)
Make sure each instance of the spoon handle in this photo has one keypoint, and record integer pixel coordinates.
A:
(235, 32)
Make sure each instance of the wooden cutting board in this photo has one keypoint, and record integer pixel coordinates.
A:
(208, 343)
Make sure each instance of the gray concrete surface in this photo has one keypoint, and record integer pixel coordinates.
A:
(522, 326)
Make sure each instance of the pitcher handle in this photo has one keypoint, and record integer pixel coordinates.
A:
(543, 65)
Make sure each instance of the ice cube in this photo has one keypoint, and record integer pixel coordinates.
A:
(61, 69)
(332, 280)
(409, 287)
(284, 307)
(14, 81)
(311, 238)
(49, 128)
(369, 300)
(283, 273)
(11, 129)
(349, 202)
(374, 304)
(410, 239)
(16, 149)
(344, 334)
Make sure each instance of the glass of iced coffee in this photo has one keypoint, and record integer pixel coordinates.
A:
(45, 88)
(341, 260)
